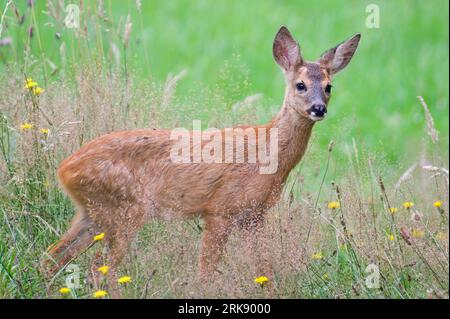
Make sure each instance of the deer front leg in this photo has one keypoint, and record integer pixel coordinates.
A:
(257, 245)
(215, 236)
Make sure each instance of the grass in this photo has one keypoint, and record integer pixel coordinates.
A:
(96, 82)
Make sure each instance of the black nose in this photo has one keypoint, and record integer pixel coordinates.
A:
(319, 110)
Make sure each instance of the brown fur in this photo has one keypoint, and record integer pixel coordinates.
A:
(121, 180)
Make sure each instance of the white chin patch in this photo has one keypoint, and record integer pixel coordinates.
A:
(315, 118)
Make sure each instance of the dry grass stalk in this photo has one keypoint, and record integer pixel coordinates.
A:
(405, 176)
(170, 86)
(127, 31)
(432, 132)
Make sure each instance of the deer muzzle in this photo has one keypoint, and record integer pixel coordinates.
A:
(317, 112)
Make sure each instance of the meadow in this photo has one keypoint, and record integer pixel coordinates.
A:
(370, 194)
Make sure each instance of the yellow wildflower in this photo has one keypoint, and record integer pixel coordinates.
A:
(99, 237)
(417, 233)
(124, 279)
(325, 276)
(408, 205)
(317, 255)
(261, 280)
(26, 126)
(45, 131)
(30, 84)
(103, 269)
(437, 204)
(440, 235)
(37, 90)
(333, 205)
(64, 291)
(393, 210)
(391, 237)
(100, 294)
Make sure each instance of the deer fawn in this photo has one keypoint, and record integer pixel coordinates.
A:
(122, 179)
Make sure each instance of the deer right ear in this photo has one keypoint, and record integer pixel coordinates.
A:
(286, 50)
(338, 57)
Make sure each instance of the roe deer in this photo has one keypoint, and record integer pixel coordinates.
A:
(122, 179)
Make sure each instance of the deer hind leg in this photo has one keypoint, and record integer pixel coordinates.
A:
(117, 249)
(96, 263)
(215, 236)
(118, 236)
(77, 237)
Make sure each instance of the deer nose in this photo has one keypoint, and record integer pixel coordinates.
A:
(318, 110)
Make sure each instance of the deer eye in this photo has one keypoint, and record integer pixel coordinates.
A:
(301, 86)
(328, 88)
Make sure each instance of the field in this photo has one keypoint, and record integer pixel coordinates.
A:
(370, 196)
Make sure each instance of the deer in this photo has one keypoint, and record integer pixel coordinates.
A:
(121, 180)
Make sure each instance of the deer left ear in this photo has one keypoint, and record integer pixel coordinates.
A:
(338, 57)
(286, 50)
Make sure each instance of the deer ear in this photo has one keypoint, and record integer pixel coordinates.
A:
(338, 57)
(286, 50)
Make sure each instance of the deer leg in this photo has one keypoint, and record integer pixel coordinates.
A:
(78, 237)
(215, 236)
(117, 249)
(119, 232)
(257, 245)
(96, 262)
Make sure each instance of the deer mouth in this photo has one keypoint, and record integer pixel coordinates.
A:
(317, 112)
(316, 118)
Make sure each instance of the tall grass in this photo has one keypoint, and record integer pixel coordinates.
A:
(318, 250)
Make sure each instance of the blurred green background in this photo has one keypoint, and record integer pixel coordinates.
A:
(226, 47)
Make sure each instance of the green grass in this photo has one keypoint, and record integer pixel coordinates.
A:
(375, 120)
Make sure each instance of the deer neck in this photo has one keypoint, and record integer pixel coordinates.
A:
(294, 131)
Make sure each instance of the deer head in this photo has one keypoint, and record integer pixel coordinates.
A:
(308, 84)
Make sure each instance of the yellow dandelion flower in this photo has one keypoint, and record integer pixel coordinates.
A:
(44, 131)
(30, 84)
(393, 210)
(124, 280)
(333, 205)
(261, 280)
(99, 237)
(440, 235)
(64, 291)
(103, 269)
(437, 204)
(100, 294)
(408, 205)
(26, 126)
(391, 237)
(417, 233)
(317, 255)
(37, 91)
(325, 276)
